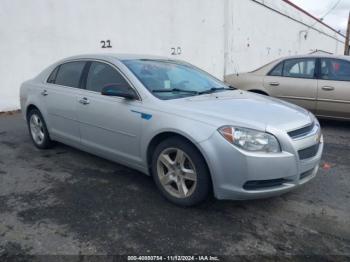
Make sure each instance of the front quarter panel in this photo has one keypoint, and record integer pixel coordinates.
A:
(162, 122)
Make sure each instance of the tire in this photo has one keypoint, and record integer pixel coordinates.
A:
(38, 130)
(180, 172)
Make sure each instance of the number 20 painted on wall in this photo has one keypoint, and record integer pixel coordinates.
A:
(176, 50)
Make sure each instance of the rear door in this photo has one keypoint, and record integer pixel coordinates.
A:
(294, 80)
(60, 98)
(334, 88)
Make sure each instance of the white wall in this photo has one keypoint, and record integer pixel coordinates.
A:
(36, 33)
(257, 35)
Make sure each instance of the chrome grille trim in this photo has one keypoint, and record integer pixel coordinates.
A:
(305, 131)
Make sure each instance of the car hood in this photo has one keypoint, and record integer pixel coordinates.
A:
(243, 109)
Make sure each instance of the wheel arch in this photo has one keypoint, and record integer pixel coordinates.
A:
(29, 108)
(158, 138)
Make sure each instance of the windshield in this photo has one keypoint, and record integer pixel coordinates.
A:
(170, 79)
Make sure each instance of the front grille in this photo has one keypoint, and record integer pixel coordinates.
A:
(308, 152)
(301, 131)
(261, 184)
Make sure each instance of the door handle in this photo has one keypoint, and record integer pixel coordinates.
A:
(44, 92)
(84, 101)
(328, 88)
(274, 84)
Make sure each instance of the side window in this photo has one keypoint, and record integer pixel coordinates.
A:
(299, 68)
(69, 74)
(277, 70)
(102, 75)
(52, 76)
(335, 69)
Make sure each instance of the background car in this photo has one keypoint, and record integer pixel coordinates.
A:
(318, 83)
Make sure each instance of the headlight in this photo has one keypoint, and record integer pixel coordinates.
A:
(250, 140)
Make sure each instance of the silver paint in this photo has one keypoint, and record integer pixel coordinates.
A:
(108, 127)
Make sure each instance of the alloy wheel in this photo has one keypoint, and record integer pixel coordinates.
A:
(37, 129)
(176, 172)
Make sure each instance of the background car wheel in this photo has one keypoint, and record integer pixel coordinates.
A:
(180, 172)
(38, 130)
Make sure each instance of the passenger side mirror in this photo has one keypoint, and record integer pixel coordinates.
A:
(115, 90)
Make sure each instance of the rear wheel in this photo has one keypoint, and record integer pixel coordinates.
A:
(180, 172)
(38, 130)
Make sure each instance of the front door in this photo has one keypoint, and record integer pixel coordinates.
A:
(109, 124)
(334, 88)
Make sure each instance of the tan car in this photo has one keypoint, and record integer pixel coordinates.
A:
(319, 83)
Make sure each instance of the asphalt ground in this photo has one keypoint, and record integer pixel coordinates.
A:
(63, 201)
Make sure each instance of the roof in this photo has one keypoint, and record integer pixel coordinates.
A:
(267, 67)
(326, 55)
(316, 55)
(312, 16)
(115, 56)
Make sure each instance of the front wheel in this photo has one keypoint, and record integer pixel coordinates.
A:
(38, 130)
(180, 172)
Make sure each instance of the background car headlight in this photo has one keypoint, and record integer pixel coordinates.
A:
(250, 140)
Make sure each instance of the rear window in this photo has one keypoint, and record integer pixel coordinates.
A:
(52, 76)
(68, 74)
(277, 70)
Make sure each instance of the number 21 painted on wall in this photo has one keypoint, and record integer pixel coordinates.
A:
(106, 44)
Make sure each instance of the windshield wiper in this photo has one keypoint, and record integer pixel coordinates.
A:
(174, 90)
(214, 89)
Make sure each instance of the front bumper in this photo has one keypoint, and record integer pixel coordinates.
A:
(239, 175)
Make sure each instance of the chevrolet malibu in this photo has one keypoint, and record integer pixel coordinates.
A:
(171, 120)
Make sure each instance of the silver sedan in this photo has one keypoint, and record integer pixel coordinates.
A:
(171, 120)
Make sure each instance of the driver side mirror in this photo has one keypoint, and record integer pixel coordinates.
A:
(120, 91)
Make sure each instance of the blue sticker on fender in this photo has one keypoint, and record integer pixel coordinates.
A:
(143, 115)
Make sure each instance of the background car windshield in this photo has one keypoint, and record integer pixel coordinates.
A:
(160, 77)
